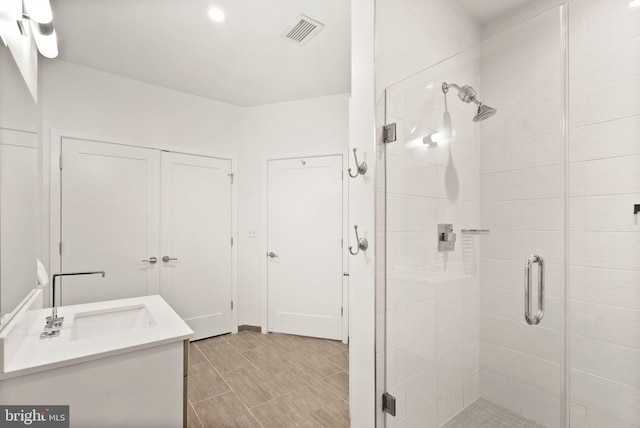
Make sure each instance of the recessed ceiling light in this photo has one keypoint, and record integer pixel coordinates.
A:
(216, 15)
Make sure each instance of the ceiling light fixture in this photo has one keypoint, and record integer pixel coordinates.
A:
(46, 39)
(38, 13)
(38, 10)
(216, 15)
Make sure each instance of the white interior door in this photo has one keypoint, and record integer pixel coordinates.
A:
(110, 220)
(305, 239)
(196, 232)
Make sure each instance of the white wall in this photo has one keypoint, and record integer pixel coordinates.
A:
(16, 104)
(22, 48)
(18, 206)
(86, 100)
(362, 203)
(83, 99)
(411, 36)
(314, 126)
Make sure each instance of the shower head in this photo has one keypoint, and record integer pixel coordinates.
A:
(468, 94)
(484, 112)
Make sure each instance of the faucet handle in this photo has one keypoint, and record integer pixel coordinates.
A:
(47, 333)
(446, 237)
(52, 327)
(54, 322)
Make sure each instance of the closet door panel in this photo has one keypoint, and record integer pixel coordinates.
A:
(196, 244)
(110, 220)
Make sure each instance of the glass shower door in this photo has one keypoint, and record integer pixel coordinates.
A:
(474, 210)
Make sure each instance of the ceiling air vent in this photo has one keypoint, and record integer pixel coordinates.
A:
(302, 30)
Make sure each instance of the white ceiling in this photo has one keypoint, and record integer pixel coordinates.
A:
(243, 61)
(485, 11)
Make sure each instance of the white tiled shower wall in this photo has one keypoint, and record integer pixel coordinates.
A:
(519, 365)
(432, 302)
(522, 202)
(432, 298)
(604, 167)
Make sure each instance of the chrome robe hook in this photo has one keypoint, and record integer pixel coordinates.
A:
(363, 244)
(362, 167)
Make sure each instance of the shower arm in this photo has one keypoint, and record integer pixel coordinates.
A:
(446, 86)
(445, 89)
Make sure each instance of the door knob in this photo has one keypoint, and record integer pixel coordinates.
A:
(151, 260)
(272, 255)
(167, 259)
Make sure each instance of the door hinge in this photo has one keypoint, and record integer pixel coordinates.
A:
(232, 241)
(389, 404)
(232, 305)
(389, 133)
(60, 162)
(60, 248)
(231, 177)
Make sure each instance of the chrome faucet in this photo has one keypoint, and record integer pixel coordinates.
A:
(54, 323)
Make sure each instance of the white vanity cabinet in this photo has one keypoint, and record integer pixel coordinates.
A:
(132, 374)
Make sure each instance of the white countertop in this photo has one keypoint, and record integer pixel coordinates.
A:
(35, 354)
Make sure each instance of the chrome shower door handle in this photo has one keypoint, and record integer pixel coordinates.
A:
(151, 260)
(533, 319)
(272, 255)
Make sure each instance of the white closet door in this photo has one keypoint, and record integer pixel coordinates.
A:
(305, 243)
(110, 220)
(196, 231)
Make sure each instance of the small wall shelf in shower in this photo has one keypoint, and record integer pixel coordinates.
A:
(475, 231)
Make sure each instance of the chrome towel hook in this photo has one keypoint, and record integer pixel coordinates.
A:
(362, 167)
(363, 244)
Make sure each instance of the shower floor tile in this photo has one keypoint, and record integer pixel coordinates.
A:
(484, 414)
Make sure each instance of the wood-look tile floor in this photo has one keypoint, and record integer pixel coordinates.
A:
(249, 379)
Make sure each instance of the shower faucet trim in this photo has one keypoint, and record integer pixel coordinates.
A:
(446, 237)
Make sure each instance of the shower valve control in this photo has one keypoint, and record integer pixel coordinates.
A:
(446, 237)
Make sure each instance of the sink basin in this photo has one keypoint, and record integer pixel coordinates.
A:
(110, 321)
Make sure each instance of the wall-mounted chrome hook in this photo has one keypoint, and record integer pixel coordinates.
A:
(363, 244)
(362, 167)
